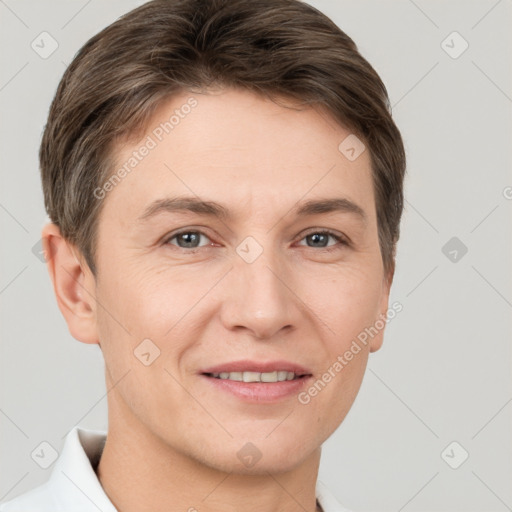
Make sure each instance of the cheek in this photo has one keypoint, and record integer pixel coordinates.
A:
(147, 300)
(347, 303)
(330, 397)
(136, 330)
(147, 310)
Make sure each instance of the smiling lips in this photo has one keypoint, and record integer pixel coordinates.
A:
(254, 371)
(258, 387)
(261, 382)
(277, 376)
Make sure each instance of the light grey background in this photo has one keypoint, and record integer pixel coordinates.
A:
(444, 372)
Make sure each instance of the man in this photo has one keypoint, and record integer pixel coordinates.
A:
(224, 182)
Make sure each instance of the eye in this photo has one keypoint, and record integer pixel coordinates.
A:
(190, 239)
(187, 239)
(321, 238)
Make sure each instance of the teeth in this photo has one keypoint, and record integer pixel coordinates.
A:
(256, 376)
(282, 375)
(251, 377)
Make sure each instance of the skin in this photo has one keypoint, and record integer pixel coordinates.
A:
(172, 443)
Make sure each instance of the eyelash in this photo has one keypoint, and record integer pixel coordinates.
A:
(342, 242)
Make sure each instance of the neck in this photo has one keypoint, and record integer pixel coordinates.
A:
(140, 472)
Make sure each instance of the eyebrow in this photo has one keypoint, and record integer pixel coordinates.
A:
(214, 209)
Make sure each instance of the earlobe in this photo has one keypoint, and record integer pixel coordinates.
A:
(73, 284)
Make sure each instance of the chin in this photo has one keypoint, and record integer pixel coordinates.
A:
(257, 457)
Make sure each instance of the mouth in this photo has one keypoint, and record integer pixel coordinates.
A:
(258, 377)
(274, 382)
(253, 381)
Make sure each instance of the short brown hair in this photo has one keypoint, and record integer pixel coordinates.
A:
(278, 48)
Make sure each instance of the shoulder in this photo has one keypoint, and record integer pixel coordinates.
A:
(39, 499)
(73, 484)
(327, 500)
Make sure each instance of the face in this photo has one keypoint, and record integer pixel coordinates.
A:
(188, 291)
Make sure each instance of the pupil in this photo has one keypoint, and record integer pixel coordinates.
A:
(315, 236)
(188, 236)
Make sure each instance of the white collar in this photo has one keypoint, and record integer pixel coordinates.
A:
(74, 485)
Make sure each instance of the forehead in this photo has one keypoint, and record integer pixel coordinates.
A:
(233, 144)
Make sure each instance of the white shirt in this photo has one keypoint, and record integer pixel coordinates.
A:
(74, 487)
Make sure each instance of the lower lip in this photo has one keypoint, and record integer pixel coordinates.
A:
(262, 392)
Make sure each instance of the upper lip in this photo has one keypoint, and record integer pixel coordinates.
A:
(257, 366)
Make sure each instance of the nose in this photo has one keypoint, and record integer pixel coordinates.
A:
(259, 297)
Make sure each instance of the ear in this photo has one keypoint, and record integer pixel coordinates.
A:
(376, 342)
(73, 283)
